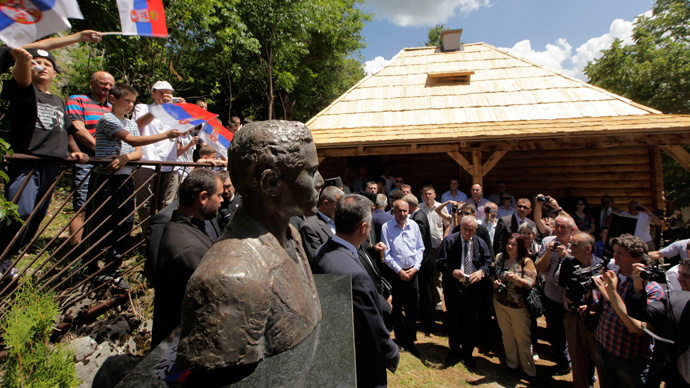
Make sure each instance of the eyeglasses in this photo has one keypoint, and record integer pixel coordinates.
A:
(465, 213)
(505, 198)
(399, 181)
(523, 207)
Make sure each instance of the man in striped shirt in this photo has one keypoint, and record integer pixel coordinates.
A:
(85, 111)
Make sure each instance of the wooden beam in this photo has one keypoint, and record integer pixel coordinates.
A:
(679, 154)
(477, 175)
(492, 161)
(656, 177)
(321, 159)
(464, 163)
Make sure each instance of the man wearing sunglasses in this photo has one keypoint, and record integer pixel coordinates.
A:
(511, 223)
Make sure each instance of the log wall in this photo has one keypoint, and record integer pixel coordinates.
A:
(625, 173)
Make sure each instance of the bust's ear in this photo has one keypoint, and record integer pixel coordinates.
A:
(270, 182)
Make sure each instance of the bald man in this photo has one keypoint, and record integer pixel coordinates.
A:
(85, 111)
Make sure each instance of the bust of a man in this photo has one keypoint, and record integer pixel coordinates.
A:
(253, 295)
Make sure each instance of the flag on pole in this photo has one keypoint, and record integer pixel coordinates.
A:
(181, 116)
(142, 17)
(216, 135)
(25, 21)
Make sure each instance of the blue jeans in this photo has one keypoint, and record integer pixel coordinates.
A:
(619, 372)
(37, 187)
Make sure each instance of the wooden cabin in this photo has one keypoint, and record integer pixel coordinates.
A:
(484, 115)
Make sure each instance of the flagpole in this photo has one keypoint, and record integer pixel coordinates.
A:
(111, 33)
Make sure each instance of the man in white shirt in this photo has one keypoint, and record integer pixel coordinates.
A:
(645, 218)
(162, 151)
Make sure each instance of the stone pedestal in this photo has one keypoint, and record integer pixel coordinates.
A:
(324, 359)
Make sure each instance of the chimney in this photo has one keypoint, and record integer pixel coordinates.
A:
(450, 40)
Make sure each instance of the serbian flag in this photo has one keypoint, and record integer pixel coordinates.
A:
(25, 21)
(142, 17)
(216, 135)
(181, 116)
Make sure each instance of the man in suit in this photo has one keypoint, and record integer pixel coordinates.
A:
(315, 230)
(602, 213)
(426, 271)
(380, 216)
(511, 223)
(464, 261)
(374, 350)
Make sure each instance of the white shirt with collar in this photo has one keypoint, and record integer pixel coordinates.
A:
(161, 151)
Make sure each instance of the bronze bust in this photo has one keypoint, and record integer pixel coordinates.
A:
(253, 295)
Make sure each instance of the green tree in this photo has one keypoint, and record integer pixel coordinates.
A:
(654, 71)
(239, 55)
(434, 35)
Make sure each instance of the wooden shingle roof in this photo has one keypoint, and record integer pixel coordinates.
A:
(506, 97)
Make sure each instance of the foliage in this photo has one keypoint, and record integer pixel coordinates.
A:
(32, 361)
(238, 55)
(654, 71)
(8, 210)
(434, 35)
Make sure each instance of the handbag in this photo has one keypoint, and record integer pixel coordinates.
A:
(534, 302)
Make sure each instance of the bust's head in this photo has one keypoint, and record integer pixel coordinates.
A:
(275, 162)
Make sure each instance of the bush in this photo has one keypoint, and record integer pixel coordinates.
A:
(32, 360)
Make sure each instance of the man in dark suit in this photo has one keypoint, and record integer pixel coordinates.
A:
(464, 261)
(602, 213)
(374, 350)
(380, 216)
(315, 230)
(510, 224)
(426, 271)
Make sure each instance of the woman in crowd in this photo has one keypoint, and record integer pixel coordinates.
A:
(583, 220)
(515, 274)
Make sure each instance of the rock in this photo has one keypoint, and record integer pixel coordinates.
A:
(82, 347)
(86, 373)
(114, 369)
(117, 329)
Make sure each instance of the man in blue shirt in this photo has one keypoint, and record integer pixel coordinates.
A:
(404, 251)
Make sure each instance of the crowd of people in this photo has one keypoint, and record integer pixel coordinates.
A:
(475, 259)
(487, 261)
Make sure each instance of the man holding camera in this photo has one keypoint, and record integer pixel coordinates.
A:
(622, 347)
(644, 218)
(580, 320)
(553, 250)
(670, 319)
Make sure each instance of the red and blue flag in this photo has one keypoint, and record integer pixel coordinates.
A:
(181, 116)
(25, 21)
(216, 135)
(142, 17)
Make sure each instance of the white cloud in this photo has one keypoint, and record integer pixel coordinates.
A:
(559, 56)
(375, 65)
(422, 12)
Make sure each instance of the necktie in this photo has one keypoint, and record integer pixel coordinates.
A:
(467, 262)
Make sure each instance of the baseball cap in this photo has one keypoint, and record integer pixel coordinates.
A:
(162, 85)
(40, 53)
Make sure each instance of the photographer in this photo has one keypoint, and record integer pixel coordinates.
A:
(671, 319)
(553, 250)
(622, 347)
(581, 316)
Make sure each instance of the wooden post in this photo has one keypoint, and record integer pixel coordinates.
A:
(477, 175)
(656, 177)
(492, 161)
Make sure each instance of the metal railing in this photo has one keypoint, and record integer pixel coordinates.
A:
(57, 266)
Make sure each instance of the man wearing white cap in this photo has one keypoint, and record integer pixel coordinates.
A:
(164, 151)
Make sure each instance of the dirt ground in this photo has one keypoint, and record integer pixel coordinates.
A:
(430, 370)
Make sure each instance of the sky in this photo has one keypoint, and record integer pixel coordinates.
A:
(560, 35)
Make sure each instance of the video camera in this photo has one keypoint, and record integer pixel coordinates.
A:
(581, 282)
(653, 273)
